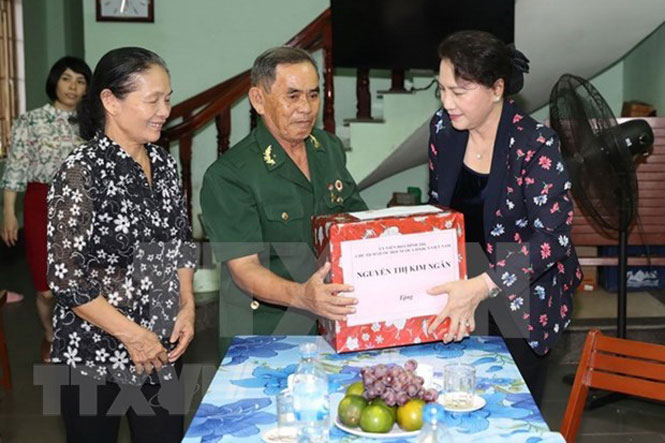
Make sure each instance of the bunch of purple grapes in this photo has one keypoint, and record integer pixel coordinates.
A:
(394, 384)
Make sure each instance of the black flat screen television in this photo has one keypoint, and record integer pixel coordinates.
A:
(405, 34)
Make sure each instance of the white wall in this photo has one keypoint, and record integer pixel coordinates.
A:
(644, 72)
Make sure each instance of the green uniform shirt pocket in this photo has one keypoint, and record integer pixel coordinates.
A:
(284, 222)
(286, 213)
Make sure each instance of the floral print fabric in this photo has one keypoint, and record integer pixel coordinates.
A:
(40, 141)
(112, 234)
(530, 209)
(239, 405)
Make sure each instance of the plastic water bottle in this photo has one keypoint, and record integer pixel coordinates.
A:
(433, 430)
(311, 402)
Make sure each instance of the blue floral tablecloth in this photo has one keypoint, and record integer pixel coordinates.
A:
(240, 402)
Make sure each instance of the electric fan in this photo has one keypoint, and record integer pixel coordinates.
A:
(600, 157)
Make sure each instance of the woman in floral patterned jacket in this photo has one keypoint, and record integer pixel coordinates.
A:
(504, 172)
(41, 139)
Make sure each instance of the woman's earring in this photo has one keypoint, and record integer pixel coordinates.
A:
(496, 99)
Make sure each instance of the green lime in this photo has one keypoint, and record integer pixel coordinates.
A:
(379, 401)
(356, 388)
(376, 418)
(350, 408)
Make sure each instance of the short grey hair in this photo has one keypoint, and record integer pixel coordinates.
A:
(263, 70)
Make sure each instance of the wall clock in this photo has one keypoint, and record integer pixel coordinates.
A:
(125, 11)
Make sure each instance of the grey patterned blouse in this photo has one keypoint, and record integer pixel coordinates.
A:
(41, 139)
(113, 235)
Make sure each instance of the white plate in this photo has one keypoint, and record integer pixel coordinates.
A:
(396, 432)
(283, 435)
(478, 403)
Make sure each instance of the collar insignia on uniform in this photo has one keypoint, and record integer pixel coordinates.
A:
(315, 142)
(268, 156)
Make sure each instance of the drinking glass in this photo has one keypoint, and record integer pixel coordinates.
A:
(459, 384)
(286, 431)
(285, 414)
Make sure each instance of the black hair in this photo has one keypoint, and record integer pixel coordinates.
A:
(482, 58)
(115, 71)
(263, 70)
(75, 64)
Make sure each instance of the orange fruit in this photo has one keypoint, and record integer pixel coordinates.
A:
(356, 388)
(410, 415)
(349, 410)
(376, 418)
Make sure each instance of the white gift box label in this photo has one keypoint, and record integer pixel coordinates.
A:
(395, 211)
(391, 274)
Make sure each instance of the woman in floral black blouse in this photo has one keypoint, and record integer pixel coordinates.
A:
(120, 256)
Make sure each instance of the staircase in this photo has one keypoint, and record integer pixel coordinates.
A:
(374, 145)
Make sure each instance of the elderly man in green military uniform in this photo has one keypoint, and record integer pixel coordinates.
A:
(258, 200)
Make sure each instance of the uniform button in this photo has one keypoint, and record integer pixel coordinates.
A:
(254, 305)
(285, 216)
(340, 200)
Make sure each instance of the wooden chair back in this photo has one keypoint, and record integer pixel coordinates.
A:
(617, 365)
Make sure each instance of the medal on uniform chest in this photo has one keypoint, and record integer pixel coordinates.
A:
(334, 196)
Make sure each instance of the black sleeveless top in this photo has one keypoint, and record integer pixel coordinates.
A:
(468, 198)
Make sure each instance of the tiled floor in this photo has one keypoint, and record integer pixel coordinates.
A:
(22, 419)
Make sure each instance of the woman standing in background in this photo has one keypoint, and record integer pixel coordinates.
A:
(40, 141)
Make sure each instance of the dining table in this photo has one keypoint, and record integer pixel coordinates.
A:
(239, 404)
